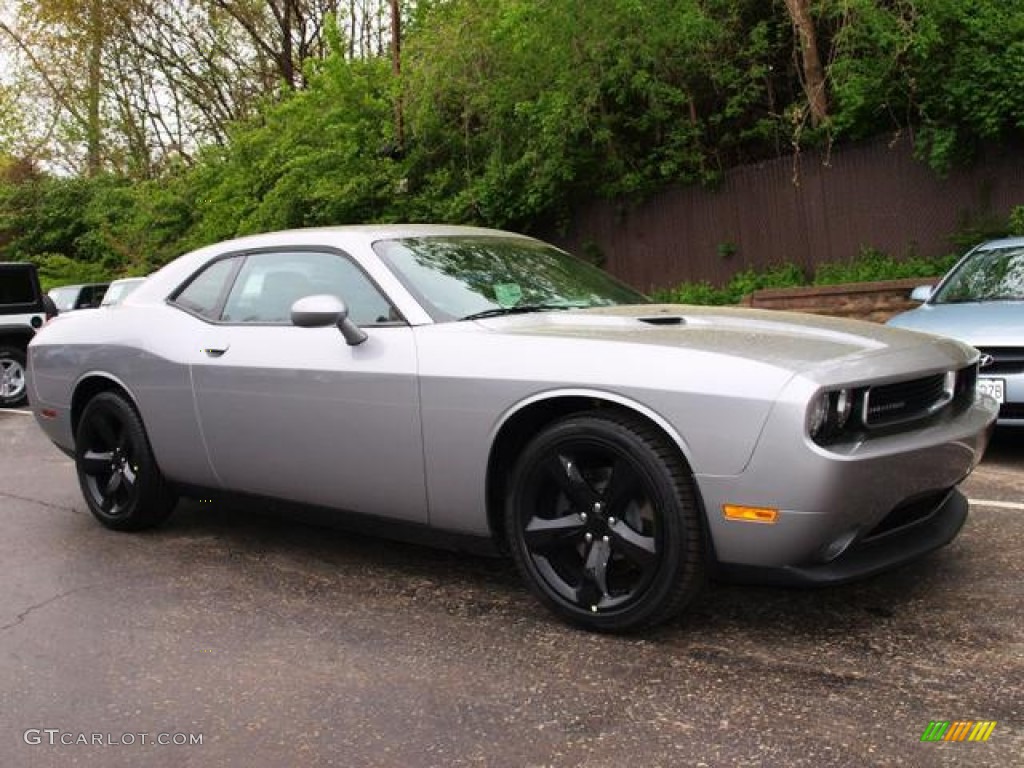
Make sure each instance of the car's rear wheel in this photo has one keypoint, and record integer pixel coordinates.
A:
(117, 472)
(603, 522)
(12, 377)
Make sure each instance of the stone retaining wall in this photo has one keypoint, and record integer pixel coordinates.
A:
(865, 301)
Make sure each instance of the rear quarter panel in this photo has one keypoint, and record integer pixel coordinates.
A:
(143, 349)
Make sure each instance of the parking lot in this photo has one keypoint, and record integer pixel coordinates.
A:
(279, 643)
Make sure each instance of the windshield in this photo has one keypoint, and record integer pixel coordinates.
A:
(461, 277)
(995, 274)
(118, 290)
(64, 298)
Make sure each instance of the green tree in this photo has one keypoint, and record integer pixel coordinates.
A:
(966, 64)
(515, 108)
(318, 157)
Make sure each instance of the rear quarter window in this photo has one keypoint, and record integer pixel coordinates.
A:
(204, 294)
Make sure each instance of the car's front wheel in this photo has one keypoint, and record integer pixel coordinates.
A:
(117, 472)
(603, 522)
(12, 377)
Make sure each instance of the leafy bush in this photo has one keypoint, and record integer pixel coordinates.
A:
(55, 270)
(780, 276)
(1017, 221)
(692, 293)
(873, 265)
(742, 284)
(870, 266)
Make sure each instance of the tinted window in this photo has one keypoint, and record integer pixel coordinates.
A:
(91, 296)
(204, 294)
(16, 287)
(269, 283)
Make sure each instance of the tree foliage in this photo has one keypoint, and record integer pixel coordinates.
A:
(211, 118)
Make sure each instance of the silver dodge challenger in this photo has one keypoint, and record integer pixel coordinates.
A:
(485, 385)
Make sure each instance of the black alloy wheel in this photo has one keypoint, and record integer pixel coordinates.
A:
(603, 522)
(116, 470)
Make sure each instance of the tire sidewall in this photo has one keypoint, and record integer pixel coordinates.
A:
(18, 356)
(672, 521)
(152, 503)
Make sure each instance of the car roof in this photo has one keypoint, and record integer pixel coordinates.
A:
(346, 237)
(1003, 242)
(362, 232)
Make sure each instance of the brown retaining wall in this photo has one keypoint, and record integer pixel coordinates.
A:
(865, 301)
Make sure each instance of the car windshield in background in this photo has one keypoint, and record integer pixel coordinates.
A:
(457, 278)
(65, 298)
(71, 297)
(995, 274)
(119, 290)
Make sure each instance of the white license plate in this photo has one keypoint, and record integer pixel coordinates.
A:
(993, 388)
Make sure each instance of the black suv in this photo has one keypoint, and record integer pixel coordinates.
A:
(23, 310)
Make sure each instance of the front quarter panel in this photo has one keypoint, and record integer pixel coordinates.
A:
(473, 380)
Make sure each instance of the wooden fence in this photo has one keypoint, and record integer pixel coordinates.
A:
(807, 209)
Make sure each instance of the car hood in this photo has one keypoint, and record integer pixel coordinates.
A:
(792, 341)
(984, 324)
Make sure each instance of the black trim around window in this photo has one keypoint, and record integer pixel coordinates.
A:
(225, 290)
(243, 255)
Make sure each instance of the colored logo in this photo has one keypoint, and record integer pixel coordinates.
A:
(958, 730)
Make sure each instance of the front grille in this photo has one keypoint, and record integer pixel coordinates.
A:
(1011, 411)
(966, 386)
(1005, 360)
(905, 400)
(909, 513)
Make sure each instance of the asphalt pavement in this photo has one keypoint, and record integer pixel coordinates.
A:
(240, 637)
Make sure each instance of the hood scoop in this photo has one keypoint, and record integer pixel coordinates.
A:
(663, 320)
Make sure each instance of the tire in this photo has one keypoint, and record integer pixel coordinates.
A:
(603, 523)
(13, 389)
(117, 472)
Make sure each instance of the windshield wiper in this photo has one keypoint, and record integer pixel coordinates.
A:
(518, 310)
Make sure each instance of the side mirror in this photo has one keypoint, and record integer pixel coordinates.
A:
(323, 310)
(921, 293)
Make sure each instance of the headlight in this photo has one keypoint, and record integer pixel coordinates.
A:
(844, 407)
(818, 414)
(832, 414)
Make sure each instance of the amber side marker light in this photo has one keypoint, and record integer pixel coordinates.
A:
(750, 514)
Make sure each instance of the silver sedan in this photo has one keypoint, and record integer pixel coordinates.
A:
(981, 302)
(474, 384)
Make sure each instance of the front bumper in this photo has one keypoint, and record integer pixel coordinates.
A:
(847, 511)
(869, 556)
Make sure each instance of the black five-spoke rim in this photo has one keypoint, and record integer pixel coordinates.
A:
(593, 532)
(109, 463)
